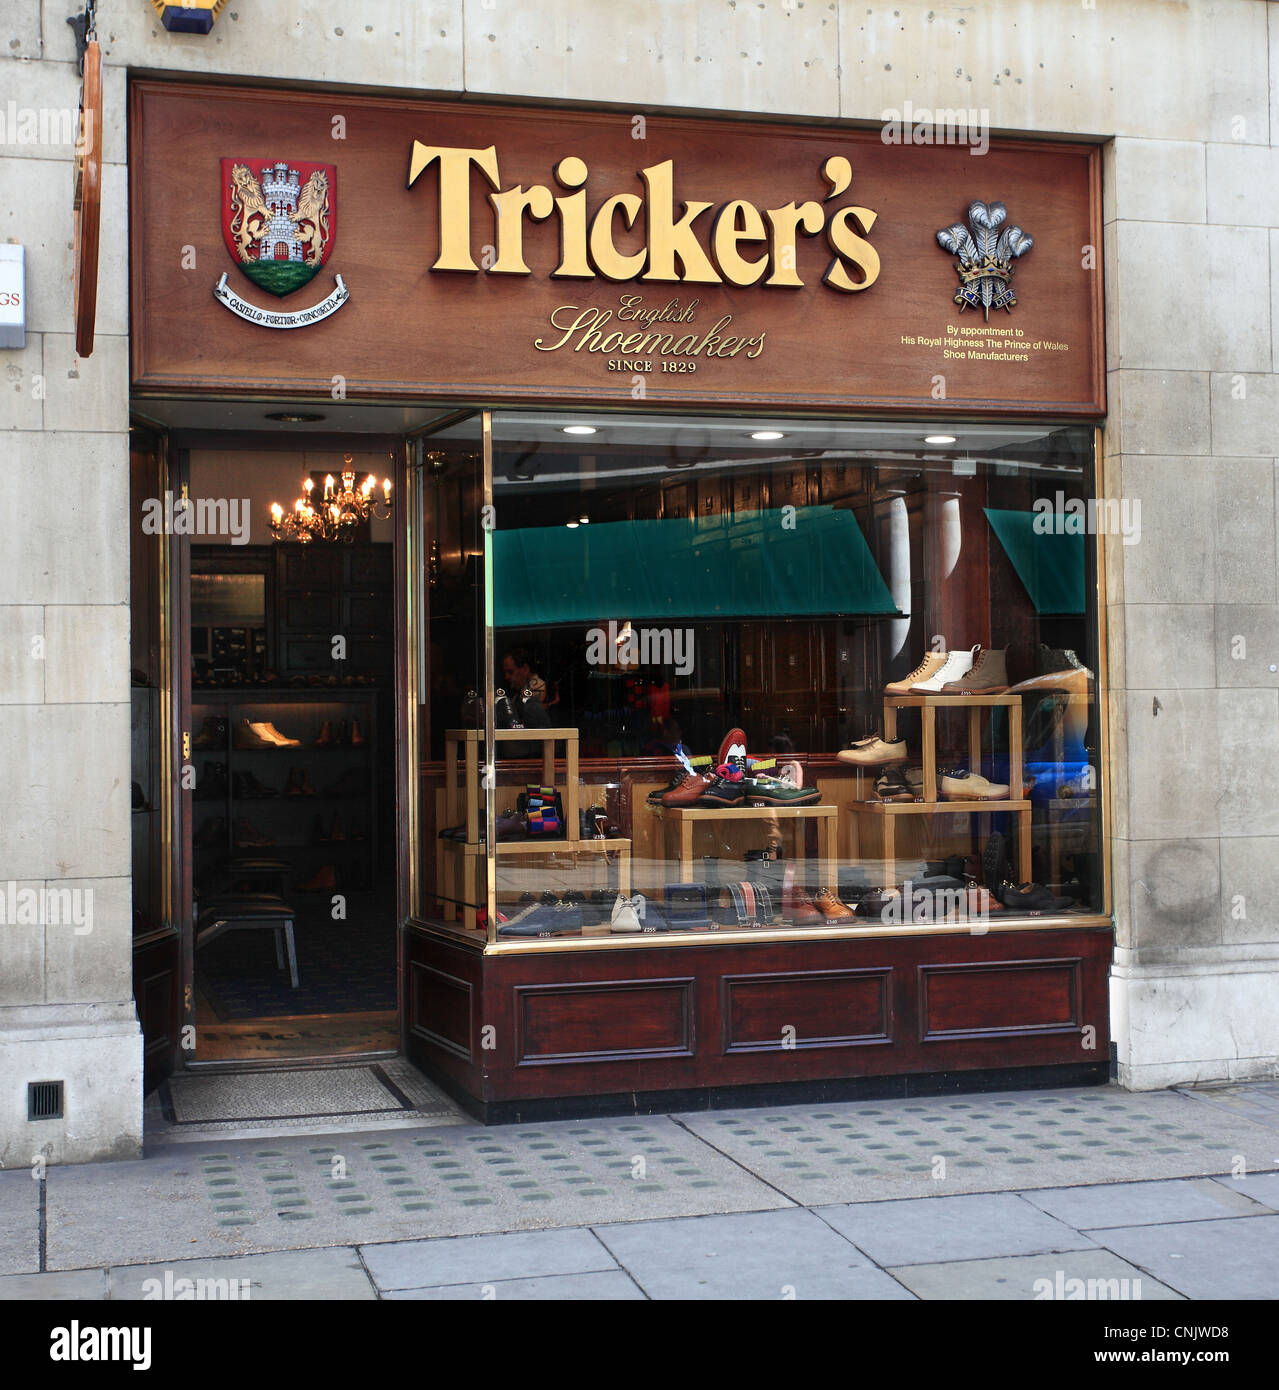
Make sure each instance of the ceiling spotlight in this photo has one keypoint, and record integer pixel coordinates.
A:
(939, 439)
(286, 417)
(579, 429)
(768, 434)
(584, 520)
(572, 525)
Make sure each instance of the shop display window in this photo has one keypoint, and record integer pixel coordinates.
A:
(717, 676)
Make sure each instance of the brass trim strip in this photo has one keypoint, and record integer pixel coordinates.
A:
(490, 682)
(413, 611)
(1103, 684)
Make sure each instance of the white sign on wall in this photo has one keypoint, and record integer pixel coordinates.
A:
(13, 297)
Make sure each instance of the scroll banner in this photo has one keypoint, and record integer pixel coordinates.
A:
(268, 319)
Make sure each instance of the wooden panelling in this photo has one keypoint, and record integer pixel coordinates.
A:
(971, 1000)
(828, 1008)
(603, 1022)
(440, 1009)
(878, 348)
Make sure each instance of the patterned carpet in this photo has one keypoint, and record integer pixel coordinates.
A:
(343, 967)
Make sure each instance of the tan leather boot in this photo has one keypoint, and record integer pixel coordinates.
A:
(988, 676)
(931, 664)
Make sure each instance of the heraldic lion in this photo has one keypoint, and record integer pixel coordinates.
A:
(249, 214)
(312, 216)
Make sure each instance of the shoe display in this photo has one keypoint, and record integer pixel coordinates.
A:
(829, 905)
(325, 737)
(687, 790)
(1030, 897)
(211, 783)
(957, 664)
(247, 737)
(732, 749)
(323, 880)
(627, 914)
(987, 676)
(245, 836)
(931, 664)
(958, 784)
(246, 787)
(212, 733)
(893, 786)
(724, 789)
(994, 861)
(876, 753)
(772, 791)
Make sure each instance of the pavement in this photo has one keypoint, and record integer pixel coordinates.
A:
(1080, 1193)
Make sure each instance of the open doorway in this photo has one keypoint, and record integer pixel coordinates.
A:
(291, 649)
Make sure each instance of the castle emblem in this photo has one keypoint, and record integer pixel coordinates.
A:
(279, 222)
(985, 257)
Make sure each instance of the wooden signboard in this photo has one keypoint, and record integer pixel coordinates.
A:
(305, 244)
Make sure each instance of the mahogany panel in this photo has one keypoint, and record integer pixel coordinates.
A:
(442, 989)
(801, 1009)
(979, 1000)
(408, 330)
(441, 1009)
(603, 1022)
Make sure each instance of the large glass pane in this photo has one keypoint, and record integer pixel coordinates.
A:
(774, 675)
(449, 564)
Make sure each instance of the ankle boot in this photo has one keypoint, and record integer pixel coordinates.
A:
(338, 832)
(212, 784)
(357, 738)
(305, 785)
(988, 676)
(325, 735)
(318, 837)
(212, 734)
(294, 787)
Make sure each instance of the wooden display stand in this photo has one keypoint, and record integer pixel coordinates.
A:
(932, 804)
(457, 862)
(685, 817)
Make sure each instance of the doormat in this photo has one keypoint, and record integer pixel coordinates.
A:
(302, 1094)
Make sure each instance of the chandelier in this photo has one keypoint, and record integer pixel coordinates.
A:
(334, 516)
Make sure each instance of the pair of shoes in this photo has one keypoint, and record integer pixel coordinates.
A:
(251, 734)
(628, 913)
(827, 902)
(875, 752)
(247, 787)
(967, 672)
(1030, 897)
(299, 783)
(762, 790)
(336, 834)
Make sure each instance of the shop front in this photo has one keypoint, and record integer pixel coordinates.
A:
(726, 657)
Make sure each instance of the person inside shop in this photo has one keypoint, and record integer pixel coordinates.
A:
(518, 675)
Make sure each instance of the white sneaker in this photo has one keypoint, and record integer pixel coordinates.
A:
(628, 913)
(956, 665)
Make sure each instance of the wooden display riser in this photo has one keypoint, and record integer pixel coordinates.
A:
(684, 818)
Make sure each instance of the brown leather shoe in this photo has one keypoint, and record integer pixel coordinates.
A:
(325, 736)
(989, 675)
(931, 664)
(688, 792)
(829, 905)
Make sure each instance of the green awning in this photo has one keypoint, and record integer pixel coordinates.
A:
(695, 567)
(1051, 566)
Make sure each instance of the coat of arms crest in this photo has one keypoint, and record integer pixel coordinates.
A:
(985, 257)
(279, 222)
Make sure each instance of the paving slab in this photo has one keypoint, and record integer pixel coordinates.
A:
(89, 1285)
(927, 1230)
(1261, 1187)
(334, 1273)
(874, 1151)
(1035, 1278)
(306, 1191)
(19, 1222)
(1256, 1100)
(606, 1286)
(1236, 1258)
(416, 1264)
(757, 1255)
(1144, 1203)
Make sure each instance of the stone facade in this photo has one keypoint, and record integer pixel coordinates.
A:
(1186, 97)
